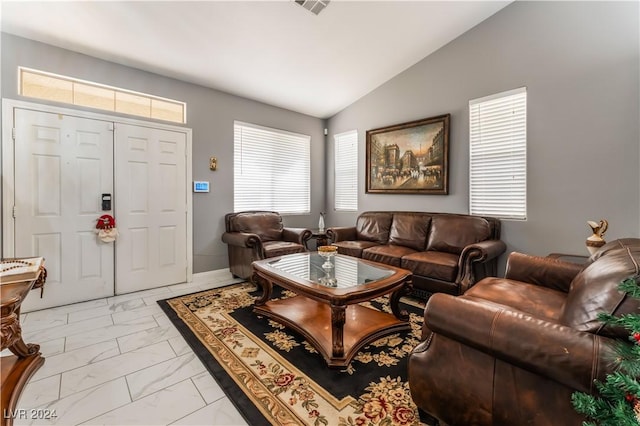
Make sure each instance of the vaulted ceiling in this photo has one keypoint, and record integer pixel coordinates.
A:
(275, 52)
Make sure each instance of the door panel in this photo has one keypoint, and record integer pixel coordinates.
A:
(150, 208)
(62, 166)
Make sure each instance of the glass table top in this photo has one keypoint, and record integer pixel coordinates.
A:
(335, 271)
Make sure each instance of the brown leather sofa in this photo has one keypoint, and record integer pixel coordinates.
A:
(446, 252)
(256, 235)
(511, 351)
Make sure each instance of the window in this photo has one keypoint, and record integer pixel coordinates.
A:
(271, 170)
(52, 87)
(498, 155)
(346, 171)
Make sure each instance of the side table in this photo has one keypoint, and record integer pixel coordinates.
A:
(320, 238)
(573, 258)
(15, 283)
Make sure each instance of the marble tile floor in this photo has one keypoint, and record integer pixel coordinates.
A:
(120, 361)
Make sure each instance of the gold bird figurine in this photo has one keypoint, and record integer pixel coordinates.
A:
(595, 241)
(599, 228)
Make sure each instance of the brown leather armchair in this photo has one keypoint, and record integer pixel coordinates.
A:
(511, 351)
(256, 235)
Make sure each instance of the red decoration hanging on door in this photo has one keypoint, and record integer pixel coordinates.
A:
(106, 221)
(106, 228)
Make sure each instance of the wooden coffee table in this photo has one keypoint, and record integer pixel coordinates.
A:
(325, 310)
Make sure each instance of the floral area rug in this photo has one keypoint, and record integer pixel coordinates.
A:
(274, 376)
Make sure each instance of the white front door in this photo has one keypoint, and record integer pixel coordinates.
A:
(151, 207)
(63, 165)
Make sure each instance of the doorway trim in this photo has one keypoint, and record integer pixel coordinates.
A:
(8, 184)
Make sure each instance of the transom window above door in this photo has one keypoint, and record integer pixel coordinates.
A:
(72, 91)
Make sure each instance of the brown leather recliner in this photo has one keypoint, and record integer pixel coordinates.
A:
(256, 235)
(511, 351)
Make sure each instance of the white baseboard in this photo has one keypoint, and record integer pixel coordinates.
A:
(212, 276)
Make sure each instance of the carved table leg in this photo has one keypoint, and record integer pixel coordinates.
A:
(337, 330)
(12, 337)
(266, 287)
(394, 301)
(22, 349)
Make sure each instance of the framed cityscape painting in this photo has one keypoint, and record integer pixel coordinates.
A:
(409, 158)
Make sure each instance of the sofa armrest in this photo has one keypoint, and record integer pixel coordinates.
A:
(543, 271)
(242, 239)
(560, 353)
(482, 251)
(296, 235)
(341, 233)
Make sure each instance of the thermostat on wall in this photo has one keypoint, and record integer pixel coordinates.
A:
(200, 186)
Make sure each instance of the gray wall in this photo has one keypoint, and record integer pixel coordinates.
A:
(579, 62)
(210, 113)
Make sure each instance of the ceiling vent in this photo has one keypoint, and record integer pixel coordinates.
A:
(314, 6)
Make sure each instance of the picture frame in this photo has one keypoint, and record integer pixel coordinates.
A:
(409, 158)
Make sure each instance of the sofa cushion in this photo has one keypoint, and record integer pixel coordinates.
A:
(433, 264)
(537, 301)
(409, 230)
(452, 233)
(268, 226)
(388, 254)
(280, 248)
(353, 248)
(374, 226)
(595, 290)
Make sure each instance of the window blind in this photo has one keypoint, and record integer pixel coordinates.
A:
(346, 171)
(498, 155)
(271, 169)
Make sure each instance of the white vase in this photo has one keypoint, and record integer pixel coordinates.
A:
(594, 243)
(321, 223)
